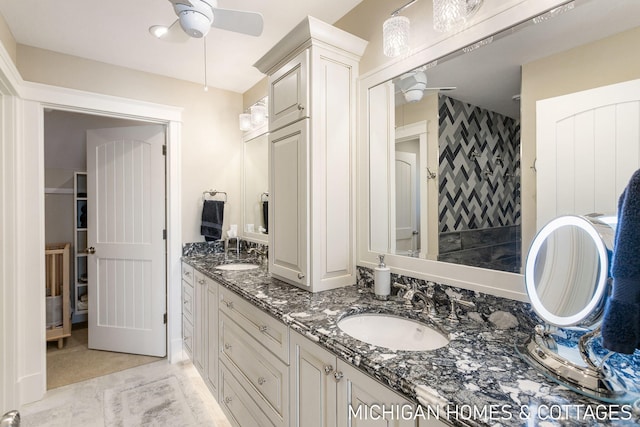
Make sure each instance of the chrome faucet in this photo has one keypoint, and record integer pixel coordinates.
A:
(411, 292)
(429, 307)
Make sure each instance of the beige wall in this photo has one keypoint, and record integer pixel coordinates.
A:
(608, 61)
(211, 148)
(7, 39)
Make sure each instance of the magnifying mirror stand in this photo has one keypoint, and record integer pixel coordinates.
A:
(596, 381)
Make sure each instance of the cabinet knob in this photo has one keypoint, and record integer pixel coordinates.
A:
(328, 369)
(91, 250)
(300, 276)
(227, 346)
(338, 375)
(187, 273)
(261, 380)
(202, 281)
(228, 400)
(229, 304)
(300, 107)
(263, 328)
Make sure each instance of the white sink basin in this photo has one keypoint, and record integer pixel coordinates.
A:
(237, 267)
(392, 332)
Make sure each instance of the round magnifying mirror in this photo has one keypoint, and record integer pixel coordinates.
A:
(567, 270)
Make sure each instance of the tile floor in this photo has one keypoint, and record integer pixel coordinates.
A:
(87, 403)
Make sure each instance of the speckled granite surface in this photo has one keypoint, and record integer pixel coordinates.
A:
(479, 370)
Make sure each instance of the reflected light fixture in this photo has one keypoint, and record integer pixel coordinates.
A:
(395, 33)
(451, 15)
(245, 121)
(258, 114)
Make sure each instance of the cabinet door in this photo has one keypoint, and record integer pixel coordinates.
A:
(289, 92)
(212, 337)
(362, 399)
(313, 385)
(288, 207)
(200, 323)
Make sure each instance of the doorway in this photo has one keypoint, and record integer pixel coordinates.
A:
(65, 164)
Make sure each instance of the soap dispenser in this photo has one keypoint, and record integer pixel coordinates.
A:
(382, 280)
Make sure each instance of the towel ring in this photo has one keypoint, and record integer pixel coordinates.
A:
(213, 193)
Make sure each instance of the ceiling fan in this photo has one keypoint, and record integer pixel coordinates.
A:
(196, 17)
(413, 85)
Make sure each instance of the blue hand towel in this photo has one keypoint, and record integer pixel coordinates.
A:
(621, 321)
(212, 218)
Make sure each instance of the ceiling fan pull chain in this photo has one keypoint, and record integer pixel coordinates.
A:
(206, 86)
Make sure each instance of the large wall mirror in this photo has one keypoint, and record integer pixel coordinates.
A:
(256, 187)
(452, 143)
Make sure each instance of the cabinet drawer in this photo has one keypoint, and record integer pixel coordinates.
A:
(187, 336)
(270, 332)
(187, 301)
(267, 375)
(237, 404)
(187, 273)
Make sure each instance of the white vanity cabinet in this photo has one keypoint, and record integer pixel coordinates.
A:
(326, 391)
(205, 329)
(187, 308)
(254, 363)
(312, 80)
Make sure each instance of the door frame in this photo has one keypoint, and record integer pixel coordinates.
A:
(23, 141)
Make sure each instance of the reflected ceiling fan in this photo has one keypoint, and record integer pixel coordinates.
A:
(197, 17)
(413, 85)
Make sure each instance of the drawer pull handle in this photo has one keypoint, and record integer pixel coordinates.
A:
(228, 400)
(227, 346)
(338, 376)
(328, 369)
(187, 273)
(300, 276)
(202, 281)
(229, 304)
(261, 380)
(263, 328)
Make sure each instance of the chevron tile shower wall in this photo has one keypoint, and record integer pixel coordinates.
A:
(479, 188)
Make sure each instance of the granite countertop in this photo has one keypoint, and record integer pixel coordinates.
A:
(478, 379)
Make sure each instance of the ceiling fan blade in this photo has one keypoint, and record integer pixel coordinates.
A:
(184, 2)
(174, 34)
(238, 21)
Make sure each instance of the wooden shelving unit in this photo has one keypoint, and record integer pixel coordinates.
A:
(57, 292)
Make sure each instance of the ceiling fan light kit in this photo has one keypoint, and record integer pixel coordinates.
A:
(196, 17)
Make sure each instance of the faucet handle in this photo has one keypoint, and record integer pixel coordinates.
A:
(457, 300)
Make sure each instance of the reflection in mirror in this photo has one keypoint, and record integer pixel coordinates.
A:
(469, 190)
(256, 191)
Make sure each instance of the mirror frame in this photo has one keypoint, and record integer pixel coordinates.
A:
(247, 137)
(483, 25)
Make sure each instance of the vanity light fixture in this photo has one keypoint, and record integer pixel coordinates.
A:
(450, 15)
(395, 33)
(255, 116)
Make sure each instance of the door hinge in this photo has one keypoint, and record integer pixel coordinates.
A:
(164, 234)
(164, 318)
(164, 150)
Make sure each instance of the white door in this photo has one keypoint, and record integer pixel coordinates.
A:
(406, 202)
(587, 148)
(126, 220)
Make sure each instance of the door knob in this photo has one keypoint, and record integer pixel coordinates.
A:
(91, 250)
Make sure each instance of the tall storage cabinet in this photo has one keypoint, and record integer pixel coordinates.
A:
(312, 80)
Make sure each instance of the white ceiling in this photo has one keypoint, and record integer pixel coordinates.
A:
(116, 32)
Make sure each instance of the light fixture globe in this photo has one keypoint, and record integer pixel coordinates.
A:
(395, 36)
(245, 121)
(258, 114)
